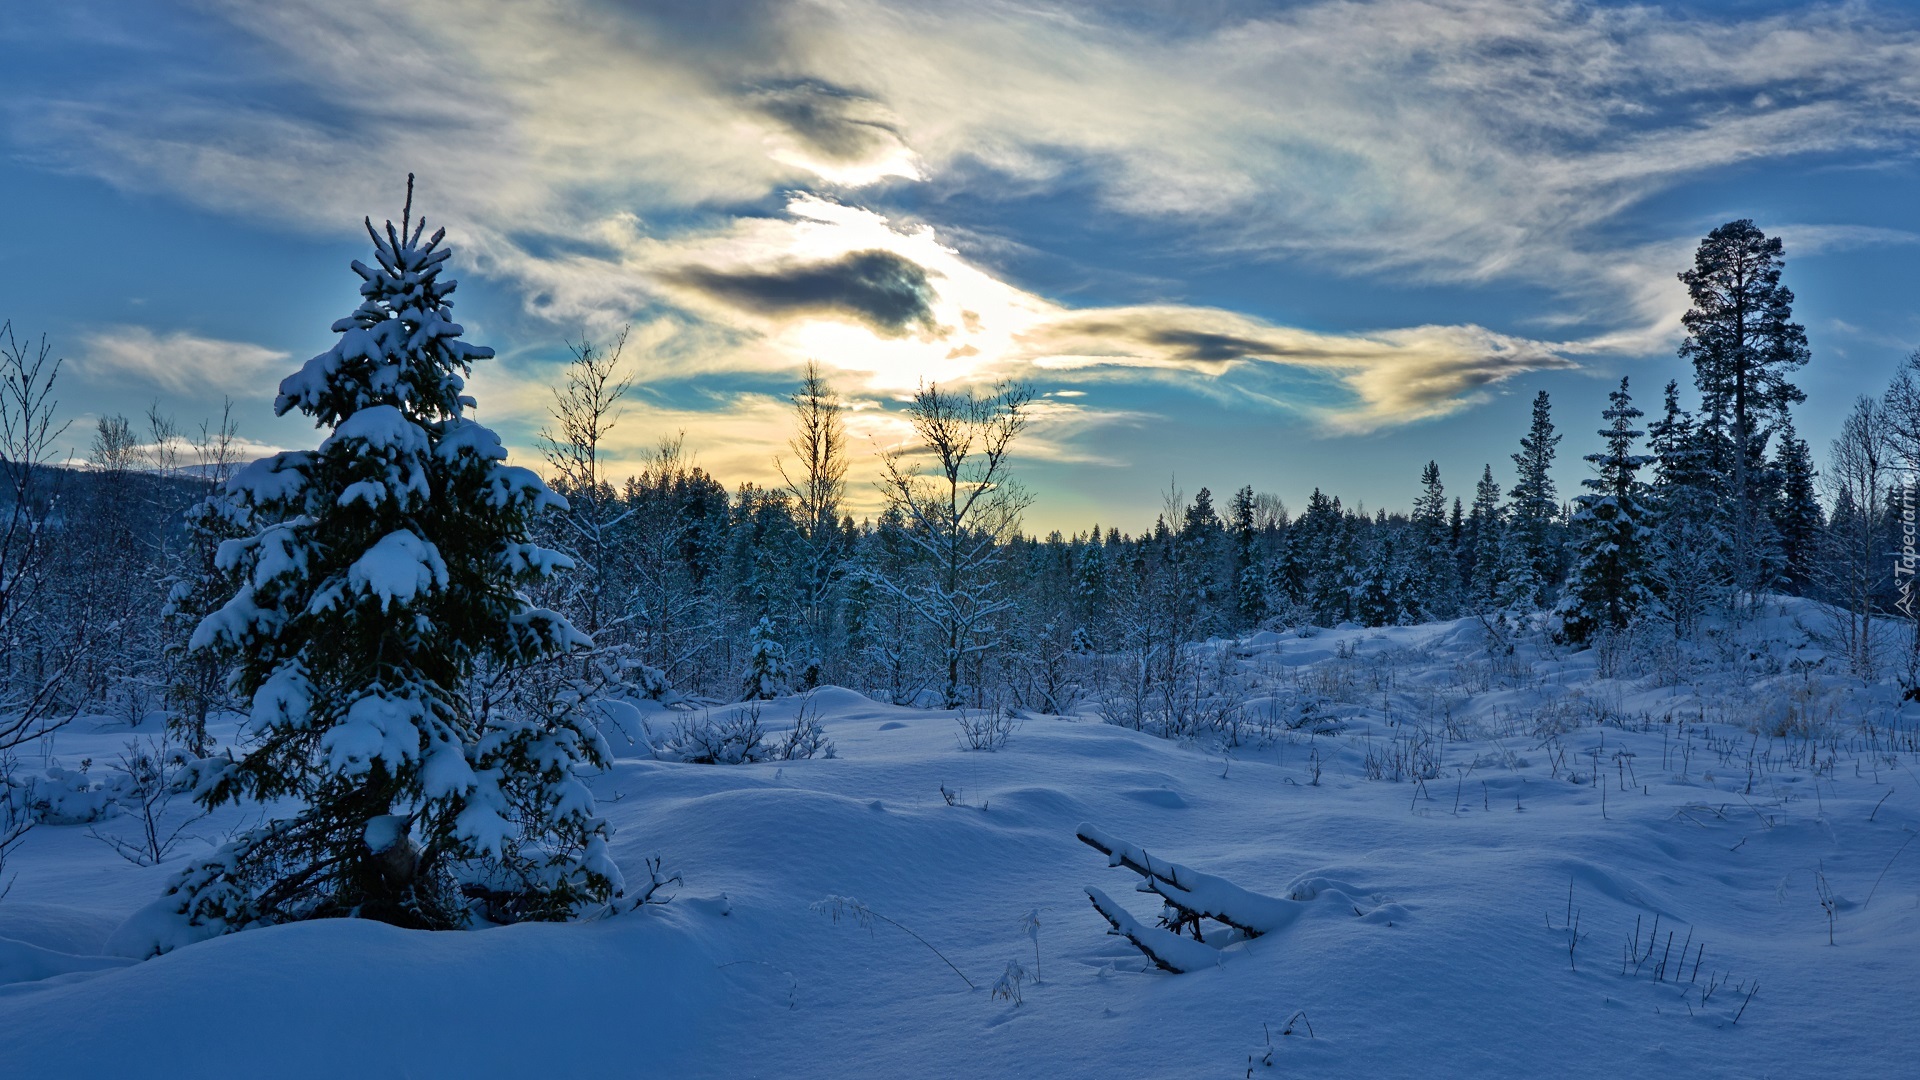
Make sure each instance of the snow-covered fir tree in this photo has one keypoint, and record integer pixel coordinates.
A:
(1091, 589)
(1485, 535)
(1285, 575)
(1690, 552)
(767, 675)
(1430, 554)
(199, 586)
(1517, 583)
(1608, 584)
(1532, 552)
(1194, 560)
(390, 565)
(1459, 567)
(1249, 577)
(1797, 516)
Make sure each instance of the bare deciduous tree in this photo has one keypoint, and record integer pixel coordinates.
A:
(818, 484)
(1857, 476)
(585, 409)
(958, 505)
(35, 661)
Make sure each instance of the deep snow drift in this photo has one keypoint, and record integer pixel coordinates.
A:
(1748, 798)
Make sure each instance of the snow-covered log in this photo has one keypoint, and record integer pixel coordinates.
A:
(1194, 894)
(1168, 950)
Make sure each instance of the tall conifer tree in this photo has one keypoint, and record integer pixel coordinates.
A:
(388, 571)
(1608, 586)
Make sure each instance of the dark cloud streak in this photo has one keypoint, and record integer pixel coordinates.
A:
(889, 293)
(840, 124)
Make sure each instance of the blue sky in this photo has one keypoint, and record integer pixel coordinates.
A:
(1281, 244)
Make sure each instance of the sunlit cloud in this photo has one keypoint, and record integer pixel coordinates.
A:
(895, 308)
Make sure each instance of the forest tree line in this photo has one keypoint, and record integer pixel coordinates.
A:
(1698, 505)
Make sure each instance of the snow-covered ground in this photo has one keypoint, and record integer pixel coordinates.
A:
(1739, 787)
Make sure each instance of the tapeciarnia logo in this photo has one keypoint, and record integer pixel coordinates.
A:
(1903, 564)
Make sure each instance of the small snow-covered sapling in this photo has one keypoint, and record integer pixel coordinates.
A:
(1008, 985)
(1030, 926)
(147, 784)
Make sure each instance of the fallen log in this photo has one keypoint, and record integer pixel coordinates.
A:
(1192, 894)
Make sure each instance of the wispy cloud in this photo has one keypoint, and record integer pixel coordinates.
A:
(614, 161)
(1393, 376)
(1455, 138)
(177, 362)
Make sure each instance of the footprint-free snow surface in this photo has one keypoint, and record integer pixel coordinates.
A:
(1709, 816)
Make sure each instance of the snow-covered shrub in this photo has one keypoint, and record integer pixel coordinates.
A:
(62, 796)
(14, 819)
(387, 569)
(1276, 717)
(132, 699)
(1803, 708)
(735, 738)
(1185, 694)
(807, 739)
(1045, 670)
(986, 729)
(645, 681)
(1404, 755)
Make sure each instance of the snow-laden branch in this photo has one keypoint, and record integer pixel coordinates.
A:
(1168, 950)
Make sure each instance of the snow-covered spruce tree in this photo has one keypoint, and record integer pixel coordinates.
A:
(1608, 585)
(1285, 576)
(199, 585)
(390, 566)
(1193, 565)
(1690, 552)
(766, 676)
(1430, 553)
(1485, 534)
(1376, 597)
(1797, 516)
(1249, 577)
(1530, 516)
(1091, 596)
(1517, 586)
